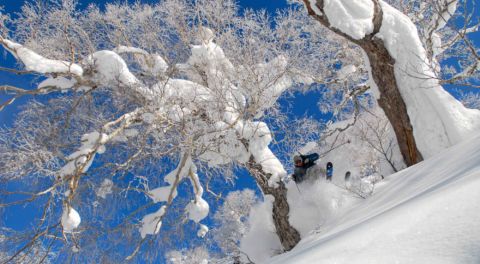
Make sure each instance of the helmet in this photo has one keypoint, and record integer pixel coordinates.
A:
(298, 161)
(297, 158)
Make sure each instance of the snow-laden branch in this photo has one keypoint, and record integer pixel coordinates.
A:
(209, 59)
(107, 68)
(466, 73)
(152, 223)
(213, 109)
(197, 209)
(445, 10)
(37, 63)
(353, 19)
(152, 64)
(94, 143)
(80, 161)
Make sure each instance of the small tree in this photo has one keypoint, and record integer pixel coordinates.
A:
(232, 222)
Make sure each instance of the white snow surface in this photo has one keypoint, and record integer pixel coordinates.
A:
(353, 17)
(60, 82)
(346, 71)
(309, 147)
(427, 213)
(35, 62)
(161, 194)
(151, 223)
(312, 203)
(259, 136)
(111, 68)
(197, 209)
(261, 241)
(70, 219)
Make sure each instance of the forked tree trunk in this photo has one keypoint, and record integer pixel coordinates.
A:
(288, 235)
(383, 74)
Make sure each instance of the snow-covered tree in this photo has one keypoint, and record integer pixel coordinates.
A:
(471, 100)
(403, 68)
(134, 100)
(232, 222)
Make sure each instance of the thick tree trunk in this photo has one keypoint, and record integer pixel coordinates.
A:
(383, 74)
(391, 100)
(289, 236)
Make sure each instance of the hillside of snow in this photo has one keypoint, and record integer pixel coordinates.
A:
(428, 213)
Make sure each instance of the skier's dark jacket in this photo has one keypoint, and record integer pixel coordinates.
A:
(308, 161)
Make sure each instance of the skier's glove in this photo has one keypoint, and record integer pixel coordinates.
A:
(294, 177)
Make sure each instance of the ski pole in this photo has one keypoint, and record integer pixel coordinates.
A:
(297, 187)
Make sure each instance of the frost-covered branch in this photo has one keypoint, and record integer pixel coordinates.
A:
(445, 28)
(80, 161)
(37, 63)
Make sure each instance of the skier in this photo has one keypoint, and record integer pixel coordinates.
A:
(305, 168)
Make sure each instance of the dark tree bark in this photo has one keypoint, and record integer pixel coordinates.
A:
(289, 236)
(383, 74)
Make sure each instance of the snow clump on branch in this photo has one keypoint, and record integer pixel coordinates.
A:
(92, 143)
(70, 219)
(37, 63)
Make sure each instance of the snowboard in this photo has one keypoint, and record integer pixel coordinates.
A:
(329, 171)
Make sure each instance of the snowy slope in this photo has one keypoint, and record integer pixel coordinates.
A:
(428, 213)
